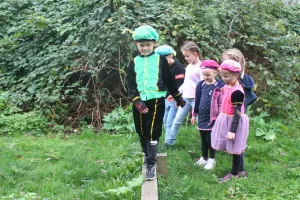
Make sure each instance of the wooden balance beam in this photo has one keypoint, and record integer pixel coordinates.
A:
(149, 188)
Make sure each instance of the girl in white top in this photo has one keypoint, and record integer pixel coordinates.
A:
(193, 75)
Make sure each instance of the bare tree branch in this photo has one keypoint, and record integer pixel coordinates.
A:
(230, 28)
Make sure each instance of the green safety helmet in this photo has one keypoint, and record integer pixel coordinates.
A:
(165, 50)
(145, 33)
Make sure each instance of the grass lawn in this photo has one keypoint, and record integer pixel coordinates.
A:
(273, 170)
(85, 166)
(104, 166)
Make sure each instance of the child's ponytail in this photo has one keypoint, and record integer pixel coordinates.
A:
(193, 47)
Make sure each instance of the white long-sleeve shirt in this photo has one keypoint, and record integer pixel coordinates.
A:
(192, 76)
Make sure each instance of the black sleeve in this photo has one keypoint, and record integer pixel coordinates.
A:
(179, 73)
(197, 99)
(131, 82)
(237, 98)
(168, 78)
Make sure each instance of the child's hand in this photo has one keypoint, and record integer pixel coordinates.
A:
(230, 136)
(141, 106)
(179, 101)
(193, 120)
(170, 98)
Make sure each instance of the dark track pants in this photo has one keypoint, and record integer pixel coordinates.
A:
(149, 127)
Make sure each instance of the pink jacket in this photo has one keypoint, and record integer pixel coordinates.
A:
(216, 104)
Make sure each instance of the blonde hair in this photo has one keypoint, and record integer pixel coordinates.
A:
(193, 47)
(237, 56)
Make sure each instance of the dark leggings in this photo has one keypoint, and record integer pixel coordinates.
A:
(206, 144)
(236, 163)
(241, 169)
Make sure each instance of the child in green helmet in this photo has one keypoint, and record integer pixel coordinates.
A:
(149, 78)
(178, 71)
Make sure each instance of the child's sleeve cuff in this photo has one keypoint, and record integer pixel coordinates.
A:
(135, 98)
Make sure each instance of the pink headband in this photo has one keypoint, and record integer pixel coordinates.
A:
(209, 64)
(231, 65)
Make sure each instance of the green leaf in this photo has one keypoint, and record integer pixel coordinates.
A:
(270, 136)
(136, 181)
(259, 132)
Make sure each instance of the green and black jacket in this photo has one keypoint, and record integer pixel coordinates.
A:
(149, 77)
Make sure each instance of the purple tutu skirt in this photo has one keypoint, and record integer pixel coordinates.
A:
(221, 129)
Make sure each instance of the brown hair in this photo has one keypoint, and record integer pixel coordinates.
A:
(237, 56)
(193, 47)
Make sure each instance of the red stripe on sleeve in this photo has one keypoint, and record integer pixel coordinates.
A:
(179, 76)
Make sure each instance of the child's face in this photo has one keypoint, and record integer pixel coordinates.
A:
(190, 56)
(170, 59)
(145, 47)
(209, 75)
(229, 77)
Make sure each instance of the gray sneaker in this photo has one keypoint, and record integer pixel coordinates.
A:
(150, 173)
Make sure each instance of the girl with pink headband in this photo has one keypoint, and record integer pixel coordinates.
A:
(230, 131)
(208, 101)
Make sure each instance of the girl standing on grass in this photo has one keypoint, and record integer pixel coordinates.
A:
(247, 83)
(231, 129)
(208, 103)
(246, 80)
(193, 75)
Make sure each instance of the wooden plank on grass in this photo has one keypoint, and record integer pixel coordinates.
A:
(162, 164)
(149, 188)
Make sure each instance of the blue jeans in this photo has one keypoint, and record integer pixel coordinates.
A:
(169, 116)
(180, 116)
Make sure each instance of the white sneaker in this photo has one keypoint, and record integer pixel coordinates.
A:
(201, 161)
(210, 163)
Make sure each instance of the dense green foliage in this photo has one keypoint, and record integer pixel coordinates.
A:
(68, 58)
(14, 123)
(119, 120)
